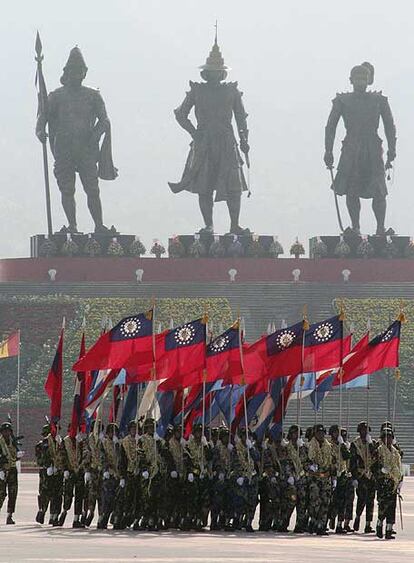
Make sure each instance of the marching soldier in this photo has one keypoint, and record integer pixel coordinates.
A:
(341, 456)
(9, 454)
(244, 482)
(110, 475)
(43, 462)
(73, 479)
(297, 454)
(129, 472)
(362, 449)
(92, 474)
(320, 483)
(388, 469)
(174, 457)
(220, 495)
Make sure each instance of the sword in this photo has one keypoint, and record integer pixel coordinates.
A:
(338, 212)
(247, 159)
(401, 512)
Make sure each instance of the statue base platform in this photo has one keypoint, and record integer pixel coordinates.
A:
(359, 246)
(108, 244)
(224, 246)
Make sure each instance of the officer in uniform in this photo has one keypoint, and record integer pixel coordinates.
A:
(389, 474)
(321, 464)
(9, 454)
(362, 449)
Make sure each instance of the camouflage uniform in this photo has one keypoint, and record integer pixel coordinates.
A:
(341, 476)
(152, 479)
(8, 485)
(298, 456)
(244, 484)
(174, 460)
(73, 479)
(389, 475)
(43, 461)
(220, 494)
(129, 472)
(361, 469)
(93, 476)
(269, 489)
(197, 491)
(109, 449)
(55, 478)
(320, 485)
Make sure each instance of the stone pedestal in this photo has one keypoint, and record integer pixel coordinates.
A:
(393, 246)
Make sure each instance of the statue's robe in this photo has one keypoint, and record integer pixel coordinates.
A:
(361, 166)
(214, 162)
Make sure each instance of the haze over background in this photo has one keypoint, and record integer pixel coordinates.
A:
(290, 58)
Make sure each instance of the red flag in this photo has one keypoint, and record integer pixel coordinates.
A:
(132, 335)
(53, 385)
(79, 395)
(381, 352)
(178, 352)
(10, 347)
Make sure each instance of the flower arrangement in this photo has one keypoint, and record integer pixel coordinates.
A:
(320, 250)
(92, 247)
(176, 248)
(255, 249)
(69, 247)
(297, 249)
(275, 248)
(235, 250)
(136, 248)
(365, 248)
(115, 248)
(342, 249)
(48, 248)
(217, 249)
(197, 249)
(157, 249)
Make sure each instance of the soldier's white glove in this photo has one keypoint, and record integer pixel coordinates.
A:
(20, 454)
(384, 470)
(79, 437)
(369, 439)
(2, 475)
(284, 442)
(190, 477)
(348, 445)
(115, 439)
(355, 483)
(313, 467)
(59, 439)
(87, 477)
(156, 437)
(334, 483)
(101, 436)
(173, 475)
(230, 446)
(49, 471)
(221, 476)
(394, 441)
(265, 446)
(204, 441)
(183, 442)
(66, 474)
(291, 480)
(145, 474)
(106, 475)
(340, 440)
(249, 443)
(273, 480)
(399, 486)
(122, 483)
(240, 481)
(301, 443)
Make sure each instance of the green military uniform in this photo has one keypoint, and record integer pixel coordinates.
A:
(8, 470)
(73, 479)
(220, 493)
(175, 473)
(129, 472)
(341, 456)
(109, 448)
(92, 475)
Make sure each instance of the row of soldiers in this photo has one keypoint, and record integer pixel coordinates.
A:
(148, 483)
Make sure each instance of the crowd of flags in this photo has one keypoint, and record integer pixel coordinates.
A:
(185, 374)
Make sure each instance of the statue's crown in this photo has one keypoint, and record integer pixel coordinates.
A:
(215, 60)
(76, 60)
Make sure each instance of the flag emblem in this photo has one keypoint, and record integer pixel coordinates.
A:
(285, 339)
(130, 327)
(185, 334)
(387, 335)
(220, 344)
(323, 332)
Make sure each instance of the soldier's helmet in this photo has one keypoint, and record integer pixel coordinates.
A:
(45, 429)
(319, 428)
(132, 423)
(75, 63)
(333, 428)
(5, 426)
(363, 425)
(294, 428)
(360, 71)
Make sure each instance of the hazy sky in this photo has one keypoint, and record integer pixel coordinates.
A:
(290, 58)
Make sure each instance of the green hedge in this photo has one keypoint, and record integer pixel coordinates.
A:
(39, 319)
(380, 312)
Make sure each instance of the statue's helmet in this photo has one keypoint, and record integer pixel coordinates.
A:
(215, 60)
(75, 63)
(371, 71)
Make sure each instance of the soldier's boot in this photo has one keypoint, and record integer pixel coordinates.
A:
(321, 530)
(368, 529)
(10, 519)
(379, 531)
(249, 527)
(214, 522)
(135, 525)
(356, 523)
(77, 522)
(332, 523)
(388, 532)
(347, 527)
(83, 518)
(340, 529)
(54, 520)
(62, 518)
(89, 518)
(40, 517)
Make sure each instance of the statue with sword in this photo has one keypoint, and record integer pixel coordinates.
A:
(361, 170)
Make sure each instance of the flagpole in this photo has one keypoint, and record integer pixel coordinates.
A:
(395, 396)
(203, 418)
(244, 390)
(18, 385)
(305, 327)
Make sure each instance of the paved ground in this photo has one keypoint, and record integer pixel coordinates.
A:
(29, 542)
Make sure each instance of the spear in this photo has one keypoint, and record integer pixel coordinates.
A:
(41, 112)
